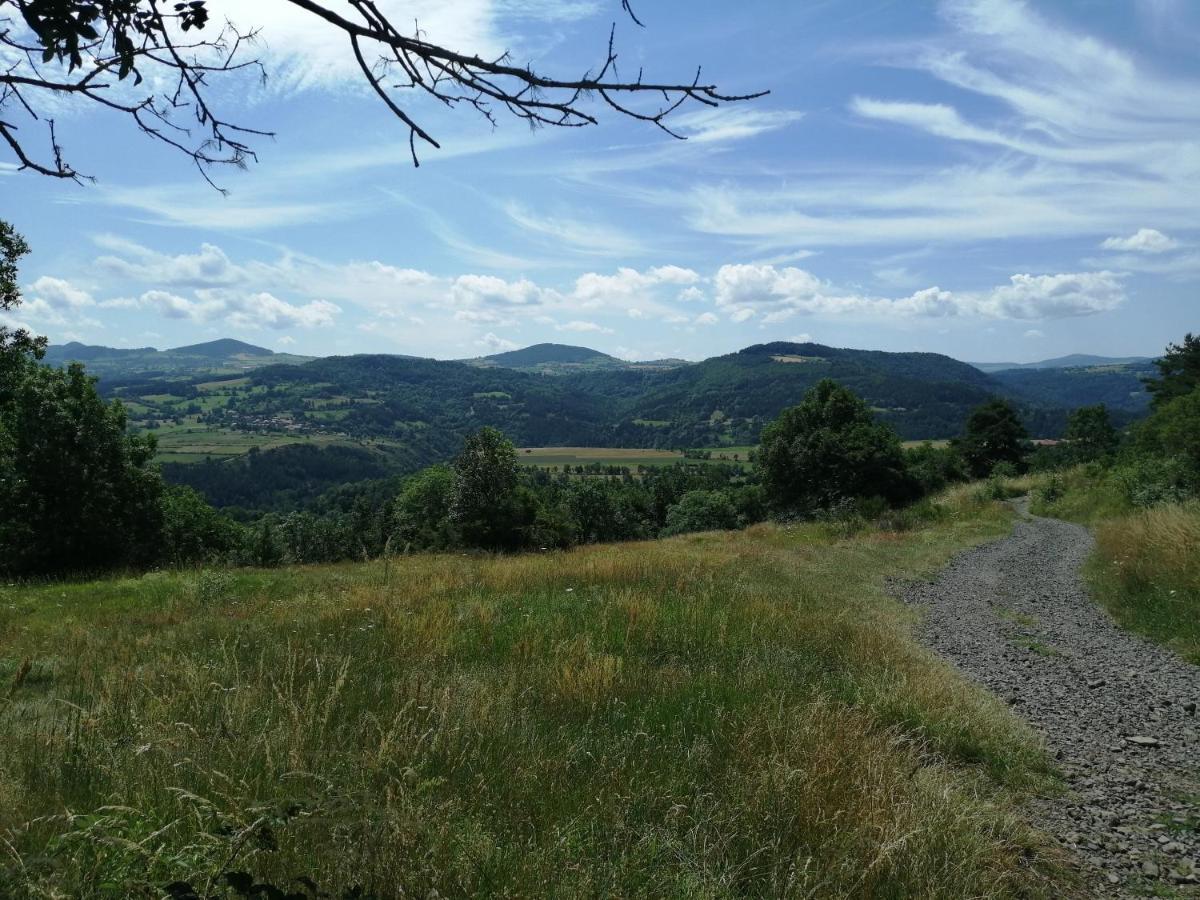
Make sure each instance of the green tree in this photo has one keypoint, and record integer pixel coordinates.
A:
(76, 492)
(1179, 371)
(421, 511)
(193, 531)
(19, 343)
(830, 447)
(994, 434)
(1090, 433)
(701, 511)
(483, 503)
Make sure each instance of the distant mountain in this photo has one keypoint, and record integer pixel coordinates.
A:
(1073, 361)
(223, 348)
(1119, 385)
(220, 357)
(563, 359)
(725, 400)
(540, 354)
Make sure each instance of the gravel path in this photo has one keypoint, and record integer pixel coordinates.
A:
(1118, 712)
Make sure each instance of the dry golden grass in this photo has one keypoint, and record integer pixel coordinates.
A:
(709, 716)
(1147, 571)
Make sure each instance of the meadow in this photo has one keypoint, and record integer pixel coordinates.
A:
(716, 715)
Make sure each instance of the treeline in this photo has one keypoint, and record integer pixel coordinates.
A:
(1155, 460)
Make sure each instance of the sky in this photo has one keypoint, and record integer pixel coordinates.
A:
(989, 179)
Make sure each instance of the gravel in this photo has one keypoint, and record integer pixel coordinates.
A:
(1117, 712)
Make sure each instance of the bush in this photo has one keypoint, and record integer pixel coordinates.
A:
(1149, 480)
(1051, 490)
(700, 511)
(935, 468)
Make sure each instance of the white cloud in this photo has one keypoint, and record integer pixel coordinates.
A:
(591, 238)
(302, 52)
(1068, 136)
(935, 118)
(210, 267)
(482, 290)
(1144, 240)
(804, 338)
(1034, 334)
(495, 344)
(581, 326)
(732, 123)
(58, 294)
(779, 294)
(1054, 296)
(256, 310)
(707, 319)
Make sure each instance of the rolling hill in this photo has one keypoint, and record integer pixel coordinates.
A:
(1072, 361)
(407, 412)
(219, 357)
(1118, 385)
(564, 359)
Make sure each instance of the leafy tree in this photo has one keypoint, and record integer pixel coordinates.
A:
(1178, 427)
(829, 447)
(483, 503)
(193, 531)
(1179, 371)
(97, 44)
(1091, 434)
(14, 344)
(994, 434)
(421, 511)
(76, 492)
(701, 511)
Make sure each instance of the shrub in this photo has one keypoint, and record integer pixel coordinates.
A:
(701, 511)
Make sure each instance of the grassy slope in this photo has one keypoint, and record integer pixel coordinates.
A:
(708, 716)
(1145, 569)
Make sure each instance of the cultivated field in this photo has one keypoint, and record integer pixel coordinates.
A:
(719, 715)
(622, 456)
(605, 456)
(194, 443)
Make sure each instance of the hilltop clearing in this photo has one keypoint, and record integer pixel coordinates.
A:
(728, 714)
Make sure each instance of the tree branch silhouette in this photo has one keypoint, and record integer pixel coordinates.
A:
(54, 53)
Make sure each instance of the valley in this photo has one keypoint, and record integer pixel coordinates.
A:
(408, 412)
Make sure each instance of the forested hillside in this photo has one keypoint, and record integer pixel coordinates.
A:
(1117, 385)
(225, 356)
(394, 414)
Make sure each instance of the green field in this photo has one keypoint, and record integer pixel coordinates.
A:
(741, 714)
(195, 443)
(605, 456)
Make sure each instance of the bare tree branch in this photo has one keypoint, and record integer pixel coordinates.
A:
(101, 43)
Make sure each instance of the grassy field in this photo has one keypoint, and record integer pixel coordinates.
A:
(1146, 568)
(605, 456)
(718, 715)
(193, 443)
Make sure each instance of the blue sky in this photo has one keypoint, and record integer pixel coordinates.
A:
(989, 179)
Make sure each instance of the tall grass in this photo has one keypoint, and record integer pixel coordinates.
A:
(1147, 572)
(718, 715)
(1146, 566)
